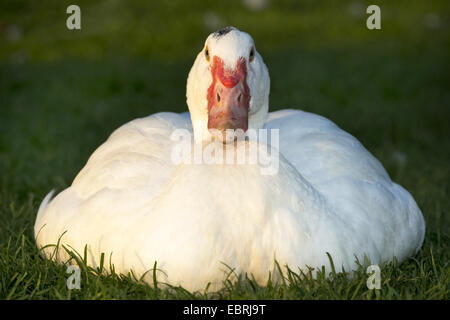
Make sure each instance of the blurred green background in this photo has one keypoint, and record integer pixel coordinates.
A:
(173, 30)
(63, 92)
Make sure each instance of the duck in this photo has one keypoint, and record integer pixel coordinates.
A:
(145, 203)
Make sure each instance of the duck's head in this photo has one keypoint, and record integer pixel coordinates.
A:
(228, 86)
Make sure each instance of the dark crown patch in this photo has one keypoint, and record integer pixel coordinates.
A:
(222, 32)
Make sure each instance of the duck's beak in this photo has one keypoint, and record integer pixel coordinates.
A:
(228, 100)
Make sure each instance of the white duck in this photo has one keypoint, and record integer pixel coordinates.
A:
(133, 203)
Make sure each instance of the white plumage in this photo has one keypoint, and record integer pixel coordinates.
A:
(330, 194)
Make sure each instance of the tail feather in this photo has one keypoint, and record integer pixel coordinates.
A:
(41, 211)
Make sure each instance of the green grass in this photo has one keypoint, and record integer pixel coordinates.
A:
(62, 93)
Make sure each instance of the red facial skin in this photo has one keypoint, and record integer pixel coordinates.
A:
(228, 97)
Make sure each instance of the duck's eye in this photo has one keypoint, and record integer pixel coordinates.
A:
(207, 53)
(252, 54)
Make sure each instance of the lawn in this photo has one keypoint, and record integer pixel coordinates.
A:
(63, 92)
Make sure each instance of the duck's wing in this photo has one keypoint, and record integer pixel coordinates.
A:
(352, 181)
(136, 155)
(321, 151)
(124, 174)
